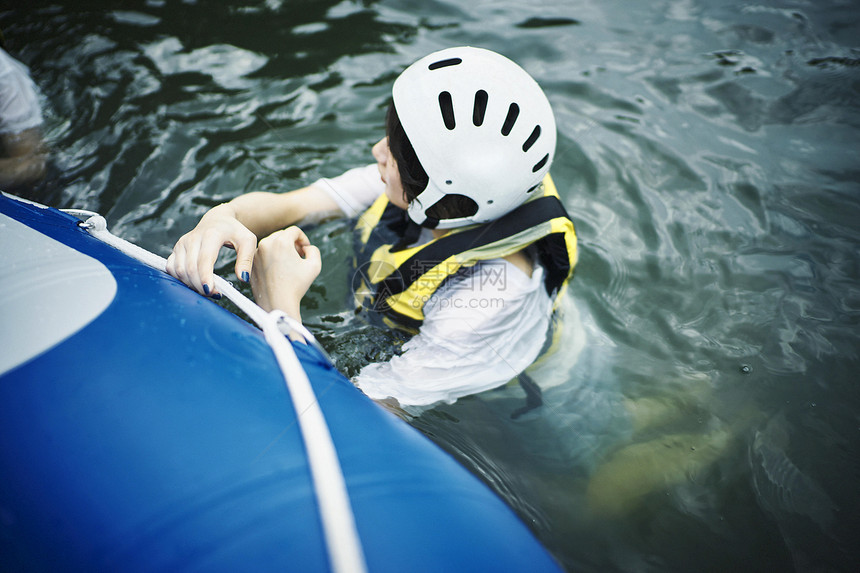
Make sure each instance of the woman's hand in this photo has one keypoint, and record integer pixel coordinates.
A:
(194, 255)
(237, 224)
(285, 266)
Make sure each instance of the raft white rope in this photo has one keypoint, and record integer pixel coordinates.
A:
(342, 541)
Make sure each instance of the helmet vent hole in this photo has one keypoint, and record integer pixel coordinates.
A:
(447, 108)
(481, 98)
(540, 163)
(511, 119)
(490, 202)
(445, 63)
(532, 138)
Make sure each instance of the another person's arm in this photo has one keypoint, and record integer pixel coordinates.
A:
(22, 150)
(24, 158)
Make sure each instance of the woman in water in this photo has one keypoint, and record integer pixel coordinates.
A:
(461, 237)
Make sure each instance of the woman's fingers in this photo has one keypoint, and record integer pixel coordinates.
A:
(192, 273)
(286, 254)
(278, 243)
(313, 258)
(210, 245)
(284, 269)
(176, 262)
(246, 248)
(170, 265)
(195, 254)
(299, 236)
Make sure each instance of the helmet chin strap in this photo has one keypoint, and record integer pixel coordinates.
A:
(415, 210)
(432, 194)
(410, 235)
(413, 231)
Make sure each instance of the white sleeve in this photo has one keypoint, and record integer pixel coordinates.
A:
(355, 190)
(474, 338)
(19, 104)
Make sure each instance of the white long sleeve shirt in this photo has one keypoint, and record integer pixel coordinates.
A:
(481, 329)
(19, 104)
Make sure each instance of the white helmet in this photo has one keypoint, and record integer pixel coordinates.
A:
(480, 126)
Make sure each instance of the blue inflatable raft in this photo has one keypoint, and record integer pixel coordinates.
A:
(145, 428)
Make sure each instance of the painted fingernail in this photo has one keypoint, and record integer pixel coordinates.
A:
(245, 276)
(206, 289)
(217, 296)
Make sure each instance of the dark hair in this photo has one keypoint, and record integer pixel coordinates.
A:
(415, 179)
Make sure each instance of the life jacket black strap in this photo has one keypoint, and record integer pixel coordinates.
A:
(534, 396)
(523, 217)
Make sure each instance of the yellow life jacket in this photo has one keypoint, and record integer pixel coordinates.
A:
(398, 284)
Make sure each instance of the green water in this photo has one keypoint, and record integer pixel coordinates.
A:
(708, 154)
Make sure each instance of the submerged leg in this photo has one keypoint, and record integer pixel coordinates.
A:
(648, 413)
(631, 473)
(655, 411)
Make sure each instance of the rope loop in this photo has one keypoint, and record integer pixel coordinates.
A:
(287, 323)
(90, 220)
